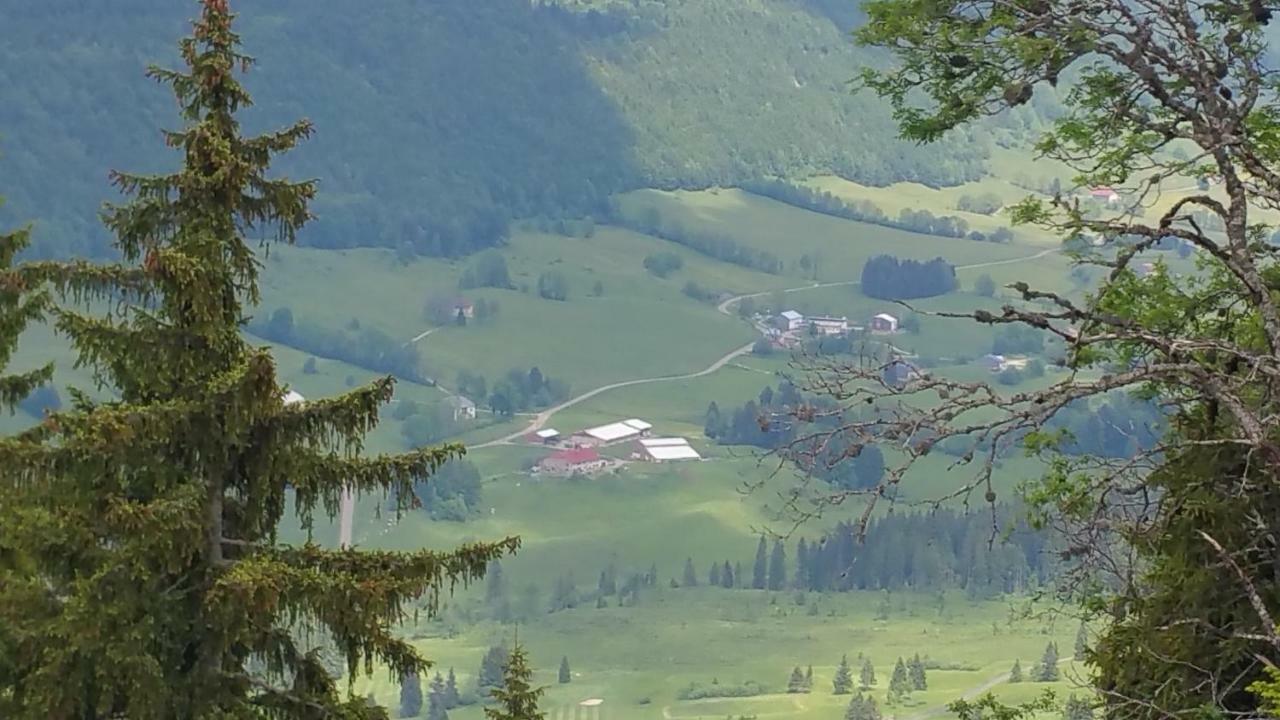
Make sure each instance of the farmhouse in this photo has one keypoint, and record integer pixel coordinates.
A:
(883, 323)
(789, 320)
(830, 325)
(464, 306)
(573, 461)
(667, 450)
(547, 436)
(613, 432)
(463, 407)
(1105, 194)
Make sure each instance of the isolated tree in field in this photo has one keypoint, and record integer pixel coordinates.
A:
(760, 571)
(778, 567)
(564, 675)
(984, 286)
(1189, 597)
(1047, 669)
(1082, 642)
(517, 698)
(1015, 674)
(176, 488)
(690, 577)
(795, 684)
(452, 698)
(410, 695)
(867, 676)
(552, 285)
(916, 674)
(713, 424)
(842, 683)
(800, 578)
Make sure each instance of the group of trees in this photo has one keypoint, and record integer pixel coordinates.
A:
(365, 347)
(801, 681)
(486, 269)
(160, 507)
(553, 285)
(662, 264)
(424, 424)
(519, 390)
(443, 695)
(453, 493)
(908, 677)
(888, 278)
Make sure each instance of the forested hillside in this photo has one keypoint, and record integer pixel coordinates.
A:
(438, 121)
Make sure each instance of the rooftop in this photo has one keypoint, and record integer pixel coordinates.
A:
(663, 442)
(638, 424)
(612, 431)
(791, 315)
(576, 456)
(886, 317)
(673, 452)
(548, 433)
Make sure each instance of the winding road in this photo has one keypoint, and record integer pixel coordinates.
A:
(346, 520)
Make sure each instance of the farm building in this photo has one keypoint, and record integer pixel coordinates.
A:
(667, 450)
(830, 325)
(789, 320)
(464, 306)
(1105, 194)
(293, 398)
(547, 436)
(993, 362)
(614, 432)
(883, 323)
(573, 461)
(463, 407)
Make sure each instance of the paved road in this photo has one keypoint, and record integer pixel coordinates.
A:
(726, 307)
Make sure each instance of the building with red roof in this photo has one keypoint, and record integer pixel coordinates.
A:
(572, 461)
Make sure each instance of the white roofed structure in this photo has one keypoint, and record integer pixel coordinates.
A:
(668, 449)
(548, 434)
(640, 425)
(663, 442)
(293, 398)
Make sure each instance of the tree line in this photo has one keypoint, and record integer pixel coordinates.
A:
(720, 246)
(364, 347)
(886, 277)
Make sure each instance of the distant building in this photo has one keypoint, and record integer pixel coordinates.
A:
(883, 323)
(463, 408)
(667, 450)
(993, 362)
(830, 325)
(1105, 194)
(899, 372)
(1146, 269)
(613, 432)
(790, 320)
(572, 461)
(293, 398)
(464, 306)
(547, 436)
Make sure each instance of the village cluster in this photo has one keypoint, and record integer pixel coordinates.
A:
(788, 327)
(581, 452)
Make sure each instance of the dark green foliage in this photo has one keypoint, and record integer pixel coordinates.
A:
(368, 348)
(452, 698)
(1017, 340)
(1077, 708)
(862, 707)
(760, 572)
(521, 390)
(18, 307)
(713, 576)
(1082, 643)
(899, 682)
(488, 269)
(663, 263)
(1015, 673)
(842, 683)
(888, 278)
(437, 703)
(309, 366)
(178, 540)
(916, 674)
(726, 575)
(564, 676)
(1047, 669)
(984, 286)
(410, 696)
(516, 698)
(795, 684)
(1117, 426)
(553, 285)
(697, 292)
(715, 689)
(984, 204)
(778, 567)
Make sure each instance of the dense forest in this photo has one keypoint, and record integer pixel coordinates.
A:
(439, 122)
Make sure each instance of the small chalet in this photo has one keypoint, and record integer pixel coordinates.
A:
(463, 408)
(1105, 194)
(577, 460)
(790, 320)
(883, 323)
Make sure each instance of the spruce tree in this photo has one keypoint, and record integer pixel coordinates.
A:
(808, 679)
(842, 683)
(867, 676)
(862, 707)
(565, 676)
(760, 572)
(726, 576)
(739, 580)
(1077, 708)
(795, 684)
(916, 674)
(495, 584)
(690, 577)
(437, 700)
(20, 304)
(1015, 674)
(410, 695)
(491, 669)
(713, 575)
(1082, 642)
(171, 495)
(899, 682)
(452, 698)
(517, 699)
(801, 580)
(778, 567)
(1047, 669)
